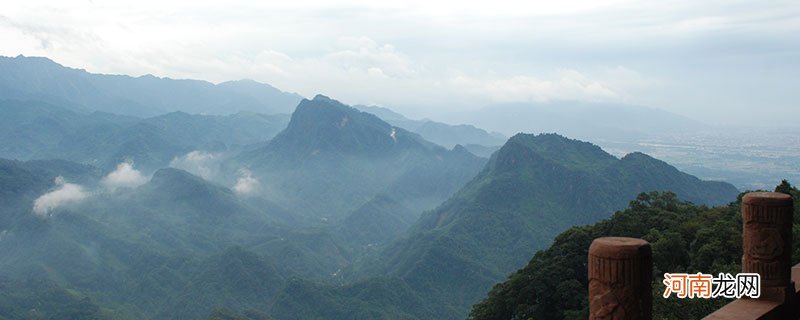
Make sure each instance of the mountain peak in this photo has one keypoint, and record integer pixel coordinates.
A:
(201, 197)
(546, 138)
(377, 221)
(34, 58)
(248, 84)
(638, 159)
(636, 155)
(460, 148)
(324, 125)
(168, 176)
(322, 97)
(32, 63)
(523, 148)
(182, 183)
(176, 115)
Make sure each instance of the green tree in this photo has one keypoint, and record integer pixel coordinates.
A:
(784, 187)
(684, 237)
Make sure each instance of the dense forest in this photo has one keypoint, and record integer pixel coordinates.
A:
(685, 238)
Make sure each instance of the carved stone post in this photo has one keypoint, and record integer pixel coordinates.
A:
(767, 242)
(620, 277)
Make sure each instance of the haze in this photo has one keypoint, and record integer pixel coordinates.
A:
(719, 62)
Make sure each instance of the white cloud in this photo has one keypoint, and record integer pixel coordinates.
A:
(199, 163)
(365, 55)
(566, 85)
(65, 193)
(246, 184)
(125, 176)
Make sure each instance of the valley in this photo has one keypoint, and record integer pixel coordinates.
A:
(329, 212)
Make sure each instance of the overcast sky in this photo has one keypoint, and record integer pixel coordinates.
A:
(723, 62)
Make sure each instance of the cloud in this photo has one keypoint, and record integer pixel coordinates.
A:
(125, 176)
(199, 163)
(246, 184)
(566, 84)
(406, 55)
(65, 193)
(366, 56)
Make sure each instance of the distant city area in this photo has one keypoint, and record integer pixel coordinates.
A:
(748, 158)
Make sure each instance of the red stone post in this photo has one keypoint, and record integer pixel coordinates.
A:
(620, 277)
(767, 242)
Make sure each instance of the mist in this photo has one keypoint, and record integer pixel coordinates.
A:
(200, 163)
(246, 184)
(64, 194)
(125, 176)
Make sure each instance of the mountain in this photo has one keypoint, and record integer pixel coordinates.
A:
(330, 213)
(38, 78)
(464, 134)
(240, 128)
(35, 297)
(480, 150)
(29, 128)
(32, 129)
(376, 299)
(376, 222)
(22, 182)
(332, 158)
(581, 120)
(437, 132)
(161, 249)
(534, 187)
(330, 127)
(236, 278)
(176, 209)
(175, 247)
(152, 143)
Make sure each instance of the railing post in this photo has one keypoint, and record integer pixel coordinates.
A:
(620, 277)
(767, 242)
(767, 250)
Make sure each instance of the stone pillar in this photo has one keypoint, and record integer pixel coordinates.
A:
(620, 277)
(767, 242)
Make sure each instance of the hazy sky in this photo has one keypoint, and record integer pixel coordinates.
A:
(717, 61)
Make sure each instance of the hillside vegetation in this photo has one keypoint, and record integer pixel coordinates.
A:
(685, 238)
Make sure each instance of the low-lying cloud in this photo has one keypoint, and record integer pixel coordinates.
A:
(246, 184)
(199, 163)
(125, 176)
(65, 193)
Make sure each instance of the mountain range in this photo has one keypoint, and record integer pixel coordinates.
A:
(533, 188)
(330, 213)
(440, 133)
(39, 130)
(41, 79)
(332, 158)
